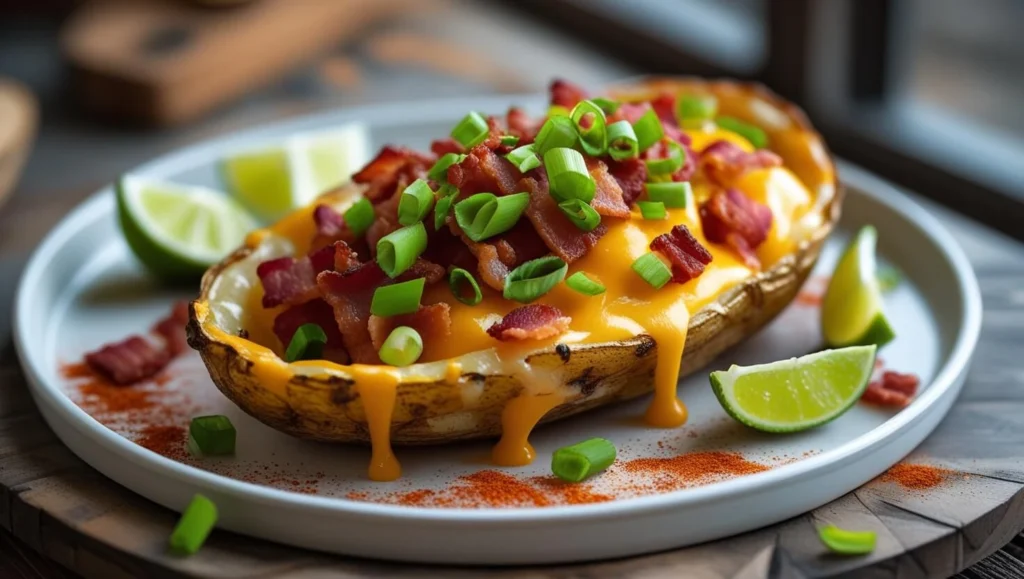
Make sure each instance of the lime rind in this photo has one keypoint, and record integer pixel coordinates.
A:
(852, 312)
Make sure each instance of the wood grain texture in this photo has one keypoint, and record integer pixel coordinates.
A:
(18, 117)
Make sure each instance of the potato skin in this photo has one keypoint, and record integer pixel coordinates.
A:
(328, 408)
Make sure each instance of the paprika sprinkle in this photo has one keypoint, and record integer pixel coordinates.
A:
(686, 470)
(915, 476)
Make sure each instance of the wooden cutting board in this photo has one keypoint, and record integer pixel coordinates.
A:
(18, 118)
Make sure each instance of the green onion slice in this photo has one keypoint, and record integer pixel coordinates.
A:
(459, 280)
(568, 177)
(359, 216)
(654, 271)
(692, 107)
(755, 135)
(439, 172)
(416, 201)
(524, 158)
(557, 132)
(471, 130)
(403, 347)
(622, 143)
(194, 526)
(580, 282)
(557, 111)
(847, 542)
(582, 460)
(607, 105)
(673, 162)
(307, 343)
(591, 125)
(397, 299)
(214, 435)
(648, 130)
(485, 215)
(581, 214)
(534, 278)
(509, 140)
(398, 250)
(673, 194)
(652, 209)
(441, 210)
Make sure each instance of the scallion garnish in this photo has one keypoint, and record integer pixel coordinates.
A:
(654, 271)
(846, 542)
(307, 343)
(670, 164)
(648, 130)
(652, 209)
(693, 107)
(558, 111)
(415, 203)
(582, 460)
(568, 177)
(459, 280)
(755, 135)
(534, 278)
(580, 282)
(581, 214)
(397, 299)
(485, 215)
(591, 125)
(442, 208)
(622, 143)
(471, 130)
(557, 132)
(524, 158)
(359, 216)
(509, 140)
(194, 526)
(607, 105)
(213, 435)
(673, 194)
(439, 172)
(402, 347)
(398, 250)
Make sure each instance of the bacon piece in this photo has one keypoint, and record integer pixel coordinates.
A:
(287, 280)
(530, 322)
(343, 258)
(382, 173)
(660, 150)
(441, 147)
(562, 237)
(665, 107)
(130, 360)
(329, 222)
(483, 171)
(631, 174)
(497, 256)
(172, 329)
(633, 111)
(732, 218)
(893, 389)
(723, 162)
(565, 94)
(448, 250)
(522, 125)
(433, 322)
(629, 112)
(317, 312)
(687, 255)
(608, 197)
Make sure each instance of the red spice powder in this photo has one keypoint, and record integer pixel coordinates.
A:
(570, 493)
(696, 467)
(168, 441)
(808, 298)
(100, 396)
(915, 476)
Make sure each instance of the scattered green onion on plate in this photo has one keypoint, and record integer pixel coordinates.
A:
(846, 542)
(212, 435)
(194, 526)
(582, 460)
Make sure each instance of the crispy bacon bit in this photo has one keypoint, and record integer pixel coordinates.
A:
(287, 280)
(172, 329)
(530, 322)
(631, 175)
(441, 147)
(497, 256)
(562, 237)
(342, 258)
(732, 218)
(522, 125)
(483, 171)
(687, 255)
(723, 162)
(433, 322)
(383, 172)
(665, 107)
(608, 196)
(633, 111)
(136, 357)
(448, 250)
(317, 312)
(565, 94)
(660, 150)
(329, 222)
(893, 389)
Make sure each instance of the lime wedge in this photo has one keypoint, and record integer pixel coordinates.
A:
(795, 394)
(272, 181)
(178, 231)
(851, 312)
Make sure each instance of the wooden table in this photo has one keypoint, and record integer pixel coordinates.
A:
(51, 503)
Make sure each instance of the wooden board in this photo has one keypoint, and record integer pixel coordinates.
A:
(18, 118)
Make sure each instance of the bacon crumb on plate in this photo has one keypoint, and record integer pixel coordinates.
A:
(530, 322)
(892, 389)
(136, 357)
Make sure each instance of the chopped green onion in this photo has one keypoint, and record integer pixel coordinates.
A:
(524, 158)
(398, 250)
(607, 105)
(581, 214)
(847, 542)
(439, 172)
(582, 460)
(558, 111)
(654, 271)
(648, 130)
(194, 526)
(509, 140)
(652, 209)
(568, 177)
(622, 143)
(672, 193)
(693, 107)
(485, 215)
(459, 279)
(471, 130)
(583, 284)
(674, 162)
(557, 132)
(416, 201)
(213, 435)
(359, 216)
(888, 278)
(397, 299)
(755, 135)
(591, 125)
(534, 278)
(403, 347)
(442, 209)
(307, 343)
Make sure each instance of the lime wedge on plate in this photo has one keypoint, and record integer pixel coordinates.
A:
(851, 312)
(272, 181)
(795, 394)
(178, 231)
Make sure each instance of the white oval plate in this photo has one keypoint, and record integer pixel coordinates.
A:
(82, 288)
